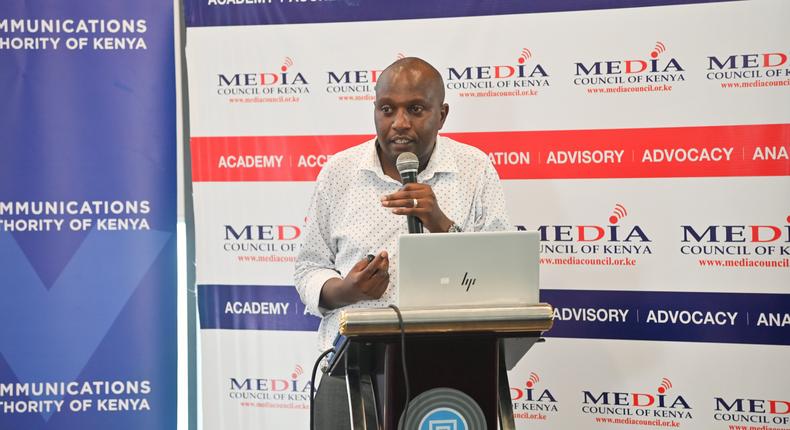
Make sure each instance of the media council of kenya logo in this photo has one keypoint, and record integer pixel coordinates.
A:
(655, 68)
(522, 77)
(741, 245)
(291, 391)
(735, 68)
(532, 401)
(612, 244)
(662, 404)
(354, 84)
(352, 81)
(282, 81)
(751, 413)
(261, 243)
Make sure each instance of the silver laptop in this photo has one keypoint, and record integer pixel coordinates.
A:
(468, 269)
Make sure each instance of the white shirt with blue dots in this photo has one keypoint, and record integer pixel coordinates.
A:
(346, 220)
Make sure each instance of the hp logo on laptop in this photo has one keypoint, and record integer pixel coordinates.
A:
(467, 281)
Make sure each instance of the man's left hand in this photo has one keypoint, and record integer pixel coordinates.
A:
(427, 208)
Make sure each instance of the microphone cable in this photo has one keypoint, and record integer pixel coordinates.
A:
(403, 362)
(313, 390)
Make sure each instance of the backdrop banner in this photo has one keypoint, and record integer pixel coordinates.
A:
(648, 145)
(87, 215)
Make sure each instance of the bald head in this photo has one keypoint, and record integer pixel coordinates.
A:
(413, 68)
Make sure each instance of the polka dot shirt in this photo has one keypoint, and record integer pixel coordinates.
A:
(346, 220)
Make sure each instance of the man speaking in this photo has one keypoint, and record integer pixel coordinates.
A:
(360, 207)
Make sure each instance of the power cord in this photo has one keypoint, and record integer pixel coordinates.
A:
(312, 385)
(403, 362)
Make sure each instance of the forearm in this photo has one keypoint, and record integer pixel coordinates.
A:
(367, 280)
(333, 294)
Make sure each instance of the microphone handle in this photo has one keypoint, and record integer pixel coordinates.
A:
(415, 225)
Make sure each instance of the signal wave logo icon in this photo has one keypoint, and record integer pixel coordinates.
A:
(658, 50)
(400, 56)
(618, 213)
(287, 62)
(533, 379)
(531, 402)
(526, 54)
(666, 384)
(298, 371)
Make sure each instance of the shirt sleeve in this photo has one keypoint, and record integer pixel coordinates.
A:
(315, 263)
(491, 213)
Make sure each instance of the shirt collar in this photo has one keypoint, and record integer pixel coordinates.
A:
(442, 161)
(370, 159)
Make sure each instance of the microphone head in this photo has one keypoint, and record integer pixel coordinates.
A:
(407, 162)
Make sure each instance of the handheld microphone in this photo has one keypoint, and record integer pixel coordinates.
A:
(407, 164)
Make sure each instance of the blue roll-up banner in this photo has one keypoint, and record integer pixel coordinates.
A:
(87, 215)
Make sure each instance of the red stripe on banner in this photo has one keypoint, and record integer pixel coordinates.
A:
(265, 158)
(744, 150)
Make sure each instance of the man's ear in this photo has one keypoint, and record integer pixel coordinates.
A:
(443, 114)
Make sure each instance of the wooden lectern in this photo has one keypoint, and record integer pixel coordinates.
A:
(468, 349)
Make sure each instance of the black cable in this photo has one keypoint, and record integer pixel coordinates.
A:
(312, 385)
(403, 362)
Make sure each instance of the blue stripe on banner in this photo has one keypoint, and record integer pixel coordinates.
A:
(253, 307)
(207, 13)
(671, 316)
(632, 315)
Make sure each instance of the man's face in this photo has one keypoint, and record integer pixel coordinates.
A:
(408, 114)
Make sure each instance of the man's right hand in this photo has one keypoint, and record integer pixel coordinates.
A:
(367, 280)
